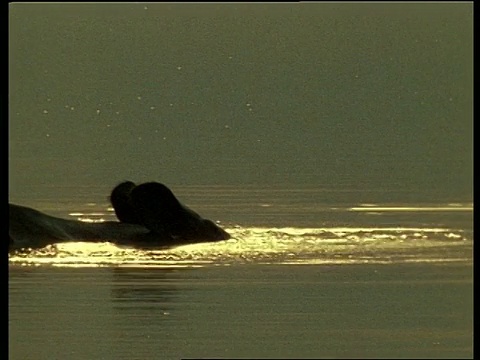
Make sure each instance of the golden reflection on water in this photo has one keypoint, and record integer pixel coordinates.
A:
(261, 245)
(368, 207)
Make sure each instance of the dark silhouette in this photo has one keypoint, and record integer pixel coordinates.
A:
(161, 212)
(120, 200)
(150, 216)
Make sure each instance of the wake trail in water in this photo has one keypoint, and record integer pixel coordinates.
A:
(271, 245)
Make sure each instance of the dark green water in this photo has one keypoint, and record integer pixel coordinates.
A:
(333, 141)
(266, 311)
(340, 95)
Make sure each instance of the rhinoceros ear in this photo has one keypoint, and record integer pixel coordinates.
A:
(121, 202)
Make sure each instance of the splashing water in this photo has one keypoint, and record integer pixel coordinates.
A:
(263, 245)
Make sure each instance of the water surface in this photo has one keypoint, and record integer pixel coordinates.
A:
(307, 273)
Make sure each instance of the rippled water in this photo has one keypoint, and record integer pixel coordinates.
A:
(274, 246)
(309, 273)
(286, 227)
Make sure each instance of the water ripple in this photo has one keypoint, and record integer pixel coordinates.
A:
(263, 245)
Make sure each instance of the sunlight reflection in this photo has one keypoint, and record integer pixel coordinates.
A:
(451, 207)
(288, 245)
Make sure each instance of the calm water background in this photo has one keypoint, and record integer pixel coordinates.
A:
(334, 141)
(340, 95)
